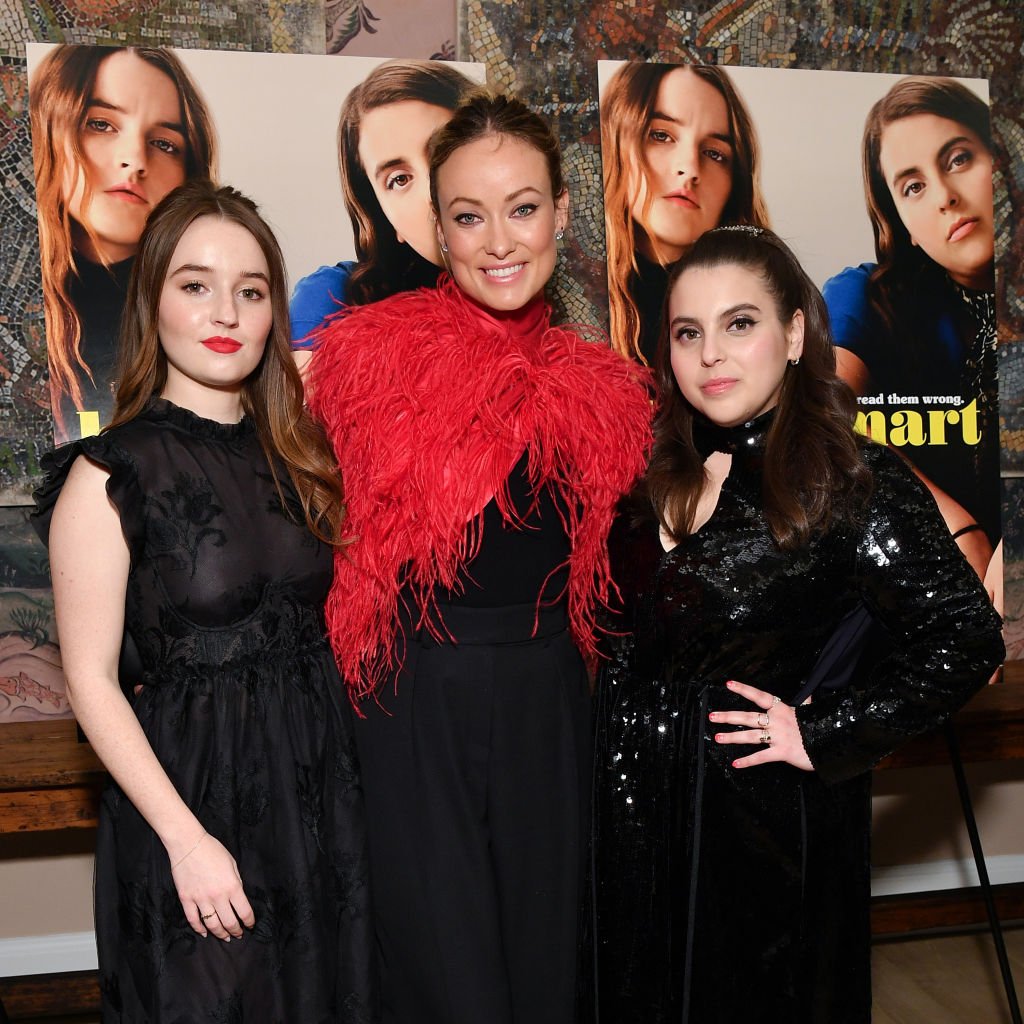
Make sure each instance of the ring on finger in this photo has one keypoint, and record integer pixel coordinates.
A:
(206, 917)
(776, 699)
(766, 738)
(762, 720)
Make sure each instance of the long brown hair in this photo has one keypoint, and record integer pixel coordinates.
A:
(383, 261)
(814, 475)
(904, 270)
(272, 395)
(59, 94)
(627, 107)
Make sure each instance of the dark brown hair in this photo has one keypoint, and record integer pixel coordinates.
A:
(904, 269)
(814, 475)
(627, 107)
(382, 261)
(484, 115)
(272, 395)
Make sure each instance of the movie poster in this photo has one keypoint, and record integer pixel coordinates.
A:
(905, 261)
(114, 131)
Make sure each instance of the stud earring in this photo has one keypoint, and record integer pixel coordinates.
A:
(559, 235)
(444, 248)
(795, 362)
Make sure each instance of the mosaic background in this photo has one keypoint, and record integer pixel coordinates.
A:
(546, 52)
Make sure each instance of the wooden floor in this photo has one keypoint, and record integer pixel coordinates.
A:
(947, 980)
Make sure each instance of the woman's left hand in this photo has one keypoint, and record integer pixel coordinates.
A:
(775, 720)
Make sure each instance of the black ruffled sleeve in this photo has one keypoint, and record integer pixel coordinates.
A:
(943, 635)
(122, 486)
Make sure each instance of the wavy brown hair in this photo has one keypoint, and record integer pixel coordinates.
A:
(383, 263)
(272, 395)
(59, 94)
(904, 271)
(627, 107)
(814, 474)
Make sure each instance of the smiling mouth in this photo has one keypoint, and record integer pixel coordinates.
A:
(502, 272)
(962, 228)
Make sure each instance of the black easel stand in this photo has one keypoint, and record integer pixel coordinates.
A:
(979, 860)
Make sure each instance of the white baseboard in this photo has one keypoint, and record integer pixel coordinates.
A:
(944, 874)
(76, 951)
(47, 954)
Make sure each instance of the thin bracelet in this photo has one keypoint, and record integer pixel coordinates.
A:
(180, 860)
(969, 528)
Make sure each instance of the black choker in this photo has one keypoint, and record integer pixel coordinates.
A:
(709, 437)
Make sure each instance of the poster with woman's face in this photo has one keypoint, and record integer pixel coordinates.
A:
(114, 130)
(832, 161)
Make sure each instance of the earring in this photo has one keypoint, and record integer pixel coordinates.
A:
(795, 362)
(559, 235)
(444, 247)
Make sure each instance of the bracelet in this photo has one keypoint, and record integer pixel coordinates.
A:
(969, 528)
(181, 860)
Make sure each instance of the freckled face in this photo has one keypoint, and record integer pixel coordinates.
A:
(939, 175)
(498, 217)
(730, 350)
(134, 146)
(215, 313)
(393, 152)
(688, 151)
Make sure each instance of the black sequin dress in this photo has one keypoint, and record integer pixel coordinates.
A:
(726, 895)
(243, 705)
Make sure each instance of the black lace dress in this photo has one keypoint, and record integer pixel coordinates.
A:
(243, 705)
(727, 895)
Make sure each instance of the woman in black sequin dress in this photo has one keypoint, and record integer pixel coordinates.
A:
(732, 827)
(192, 541)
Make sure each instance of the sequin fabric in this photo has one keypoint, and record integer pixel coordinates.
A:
(718, 891)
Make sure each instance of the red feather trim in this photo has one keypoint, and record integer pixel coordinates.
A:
(429, 404)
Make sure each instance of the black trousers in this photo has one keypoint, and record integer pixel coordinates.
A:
(476, 771)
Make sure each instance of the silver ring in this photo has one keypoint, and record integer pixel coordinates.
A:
(776, 700)
(766, 738)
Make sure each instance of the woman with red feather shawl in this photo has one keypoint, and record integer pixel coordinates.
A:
(483, 453)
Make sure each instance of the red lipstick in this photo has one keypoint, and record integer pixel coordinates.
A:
(223, 345)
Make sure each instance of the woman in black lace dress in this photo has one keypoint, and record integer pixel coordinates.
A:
(192, 542)
(732, 818)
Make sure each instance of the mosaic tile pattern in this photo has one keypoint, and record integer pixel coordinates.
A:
(1011, 406)
(282, 26)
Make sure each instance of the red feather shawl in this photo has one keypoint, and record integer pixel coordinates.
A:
(429, 402)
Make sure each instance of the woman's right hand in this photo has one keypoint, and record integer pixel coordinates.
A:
(210, 889)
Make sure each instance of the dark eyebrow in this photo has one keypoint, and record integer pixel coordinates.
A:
(508, 199)
(724, 315)
(397, 161)
(957, 140)
(199, 268)
(660, 116)
(174, 126)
